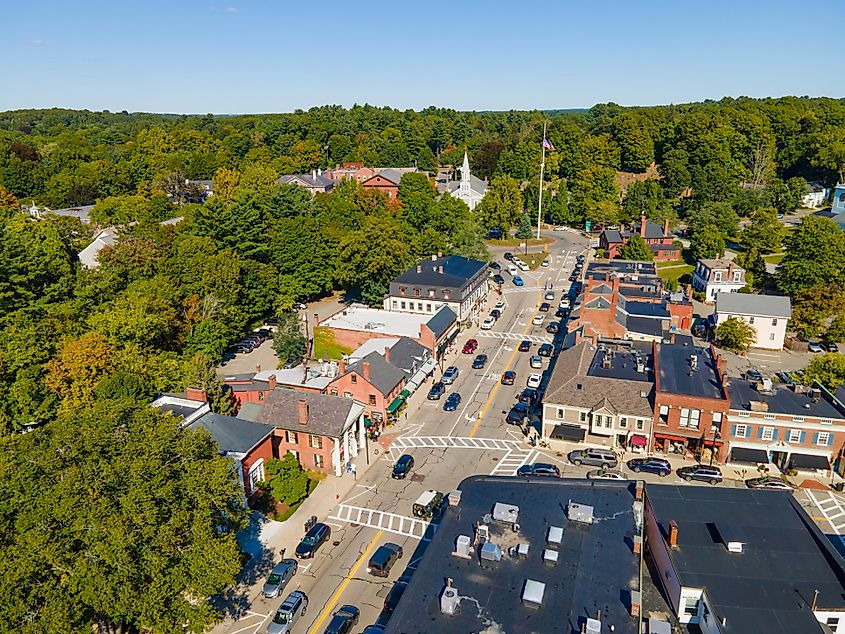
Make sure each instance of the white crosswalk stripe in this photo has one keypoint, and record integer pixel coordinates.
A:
(456, 442)
(831, 507)
(381, 520)
(514, 336)
(513, 460)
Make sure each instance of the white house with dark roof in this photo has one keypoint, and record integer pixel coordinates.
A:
(767, 314)
(315, 182)
(469, 189)
(717, 276)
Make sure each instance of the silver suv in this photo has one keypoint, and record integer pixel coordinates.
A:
(288, 613)
(450, 375)
(603, 458)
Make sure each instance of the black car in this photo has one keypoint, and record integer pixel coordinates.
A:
(452, 402)
(831, 346)
(580, 258)
(313, 539)
(702, 472)
(517, 413)
(343, 620)
(524, 346)
(529, 396)
(508, 256)
(545, 350)
(495, 313)
(498, 279)
(437, 390)
(539, 469)
(383, 559)
(495, 266)
(561, 312)
(545, 306)
(402, 467)
(553, 328)
(650, 465)
(479, 362)
(753, 375)
(396, 592)
(508, 377)
(494, 233)
(573, 277)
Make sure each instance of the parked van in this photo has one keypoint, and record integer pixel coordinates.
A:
(383, 559)
(512, 269)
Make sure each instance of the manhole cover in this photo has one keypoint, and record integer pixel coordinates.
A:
(495, 459)
(417, 478)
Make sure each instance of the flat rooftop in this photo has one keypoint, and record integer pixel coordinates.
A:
(783, 400)
(785, 557)
(615, 361)
(595, 571)
(381, 322)
(676, 374)
(623, 266)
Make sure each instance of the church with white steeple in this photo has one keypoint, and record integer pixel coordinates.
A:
(470, 189)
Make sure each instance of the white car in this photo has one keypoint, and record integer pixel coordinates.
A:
(564, 303)
(534, 380)
(538, 319)
(605, 474)
(545, 262)
(523, 266)
(488, 322)
(536, 362)
(500, 305)
(550, 295)
(561, 228)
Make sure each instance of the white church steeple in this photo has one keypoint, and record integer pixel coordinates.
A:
(465, 182)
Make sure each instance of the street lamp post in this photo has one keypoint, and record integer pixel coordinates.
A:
(716, 436)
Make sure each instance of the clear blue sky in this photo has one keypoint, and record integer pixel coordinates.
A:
(237, 56)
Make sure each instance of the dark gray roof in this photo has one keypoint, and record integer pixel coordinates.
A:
(327, 415)
(310, 180)
(233, 435)
(746, 304)
(644, 309)
(784, 400)
(767, 587)
(457, 273)
(182, 411)
(645, 326)
(623, 362)
(612, 236)
(408, 355)
(675, 375)
(652, 230)
(598, 303)
(594, 571)
(635, 267)
(639, 291)
(394, 176)
(441, 321)
(384, 376)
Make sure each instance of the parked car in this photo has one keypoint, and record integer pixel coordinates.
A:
(343, 620)
(451, 403)
(488, 322)
(573, 277)
(814, 346)
(517, 281)
(595, 456)
(395, 594)
(375, 628)
(500, 305)
(524, 345)
(470, 346)
(545, 350)
(544, 307)
(312, 541)
(494, 233)
(605, 474)
(580, 258)
(479, 362)
(545, 262)
(564, 302)
(753, 375)
(508, 377)
(402, 467)
(437, 390)
(701, 472)
(517, 413)
(536, 362)
(770, 483)
(292, 608)
(539, 469)
(522, 266)
(383, 559)
(538, 320)
(561, 312)
(528, 395)
(244, 348)
(508, 255)
(553, 328)
(495, 266)
(659, 466)
(496, 313)
(831, 346)
(784, 377)
(498, 279)
(549, 296)
(534, 380)
(278, 578)
(450, 375)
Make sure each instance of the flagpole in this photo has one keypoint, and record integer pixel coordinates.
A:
(542, 167)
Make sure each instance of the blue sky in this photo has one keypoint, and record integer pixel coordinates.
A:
(237, 56)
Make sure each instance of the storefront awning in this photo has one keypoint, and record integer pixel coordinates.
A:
(807, 461)
(404, 394)
(396, 404)
(670, 437)
(749, 456)
(568, 432)
(368, 422)
(638, 440)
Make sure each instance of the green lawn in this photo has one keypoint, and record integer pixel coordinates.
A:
(533, 258)
(325, 346)
(676, 271)
(774, 258)
(515, 242)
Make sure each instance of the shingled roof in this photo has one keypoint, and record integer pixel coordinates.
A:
(384, 376)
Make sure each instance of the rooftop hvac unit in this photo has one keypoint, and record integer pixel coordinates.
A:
(454, 498)
(532, 593)
(555, 536)
(550, 557)
(693, 362)
(505, 512)
(462, 545)
(579, 513)
(491, 552)
(449, 600)
(482, 533)
(593, 626)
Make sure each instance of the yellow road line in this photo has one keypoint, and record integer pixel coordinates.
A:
(352, 572)
(498, 384)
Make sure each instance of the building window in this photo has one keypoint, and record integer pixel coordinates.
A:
(743, 413)
(664, 415)
(794, 435)
(333, 392)
(291, 437)
(446, 295)
(832, 622)
(416, 292)
(318, 461)
(737, 275)
(372, 400)
(741, 431)
(771, 336)
(640, 424)
(560, 413)
(717, 276)
(315, 441)
(695, 418)
(428, 306)
(767, 433)
(798, 419)
(823, 438)
(403, 291)
(583, 417)
(256, 474)
(751, 320)
(825, 421)
(354, 378)
(691, 606)
(769, 416)
(347, 395)
(774, 322)
(623, 422)
(403, 305)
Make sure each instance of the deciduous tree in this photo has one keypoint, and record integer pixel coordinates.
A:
(707, 242)
(636, 249)
(736, 335)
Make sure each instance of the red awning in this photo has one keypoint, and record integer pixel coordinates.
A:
(638, 440)
(714, 443)
(668, 437)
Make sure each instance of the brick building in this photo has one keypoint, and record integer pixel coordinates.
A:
(660, 242)
(691, 400)
(386, 181)
(376, 383)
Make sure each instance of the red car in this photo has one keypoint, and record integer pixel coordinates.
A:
(470, 346)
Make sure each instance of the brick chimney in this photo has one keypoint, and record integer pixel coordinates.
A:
(665, 226)
(365, 368)
(642, 225)
(387, 353)
(302, 410)
(196, 394)
(341, 366)
(621, 227)
(271, 382)
(673, 534)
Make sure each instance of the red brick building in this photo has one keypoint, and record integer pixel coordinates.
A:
(375, 382)
(385, 181)
(660, 242)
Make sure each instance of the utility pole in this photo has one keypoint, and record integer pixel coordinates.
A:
(540, 198)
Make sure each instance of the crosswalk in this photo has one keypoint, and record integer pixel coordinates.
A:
(831, 507)
(381, 520)
(453, 442)
(513, 336)
(513, 460)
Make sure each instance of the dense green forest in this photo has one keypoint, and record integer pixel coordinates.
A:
(82, 351)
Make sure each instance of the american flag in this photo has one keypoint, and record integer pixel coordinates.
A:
(548, 145)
